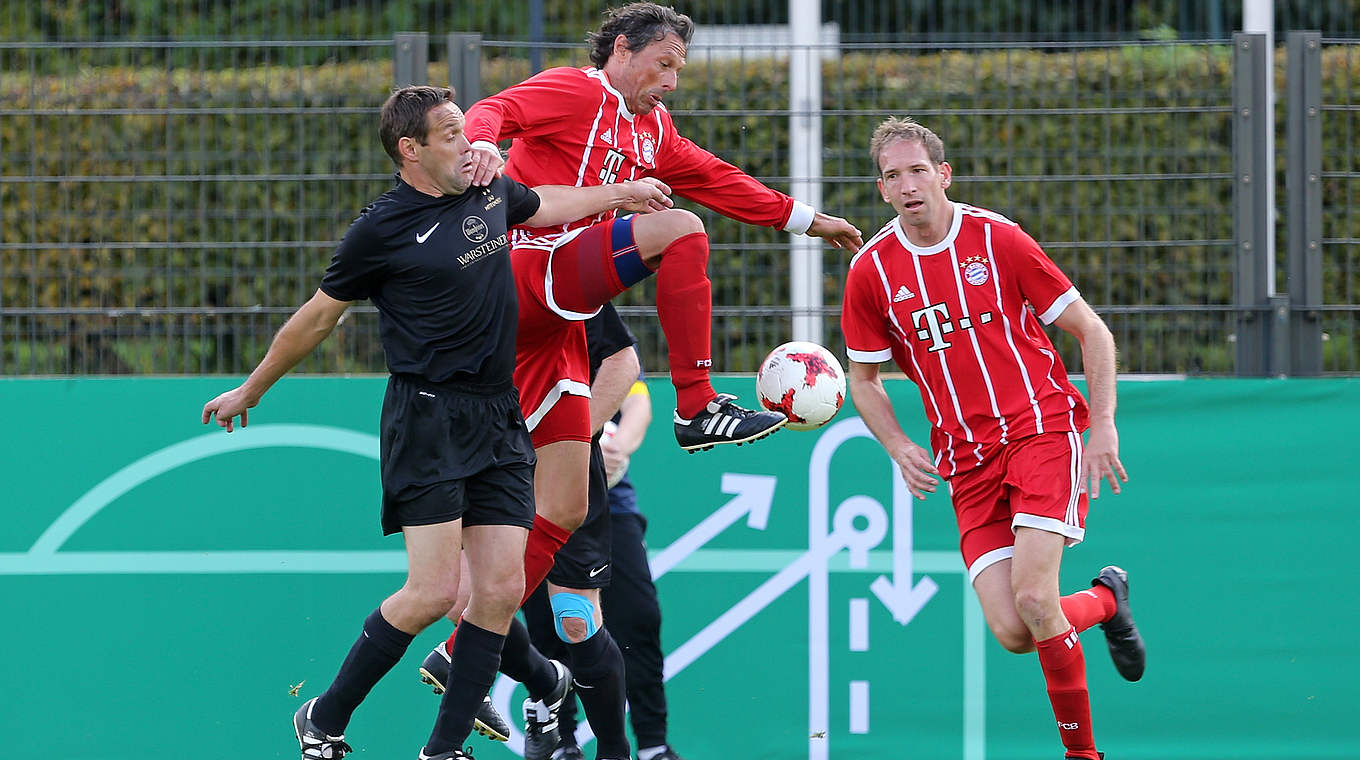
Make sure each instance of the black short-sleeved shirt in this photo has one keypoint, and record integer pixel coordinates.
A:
(438, 269)
(606, 335)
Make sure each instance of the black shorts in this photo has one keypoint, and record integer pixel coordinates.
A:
(584, 561)
(454, 451)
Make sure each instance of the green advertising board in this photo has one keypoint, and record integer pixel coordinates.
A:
(168, 587)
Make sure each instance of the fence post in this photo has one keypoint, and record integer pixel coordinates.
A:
(805, 165)
(411, 58)
(1303, 185)
(1251, 210)
(465, 68)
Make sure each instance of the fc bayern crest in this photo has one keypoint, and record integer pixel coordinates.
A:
(648, 149)
(975, 270)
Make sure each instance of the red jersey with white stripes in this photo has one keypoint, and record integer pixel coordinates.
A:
(571, 127)
(956, 317)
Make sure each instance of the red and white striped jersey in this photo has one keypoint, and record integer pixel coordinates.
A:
(571, 127)
(956, 318)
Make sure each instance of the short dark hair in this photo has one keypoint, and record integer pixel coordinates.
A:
(642, 24)
(405, 114)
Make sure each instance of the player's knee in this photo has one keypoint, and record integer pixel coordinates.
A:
(654, 232)
(1016, 640)
(573, 617)
(506, 591)
(1033, 605)
(426, 603)
(566, 513)
(680, 222)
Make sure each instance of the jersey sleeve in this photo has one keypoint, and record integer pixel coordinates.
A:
(522, 202)
(540, 105)
(1041, 282)
(357, 265)
(864, 312)
(704, 178)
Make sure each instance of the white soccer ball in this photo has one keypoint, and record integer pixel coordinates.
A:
(804, 381)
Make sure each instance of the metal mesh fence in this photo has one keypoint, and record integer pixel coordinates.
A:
(564, 20)
(160, 213)
(1340, 114)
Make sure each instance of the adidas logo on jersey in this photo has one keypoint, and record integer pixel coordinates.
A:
(607, 137)
(903, 294)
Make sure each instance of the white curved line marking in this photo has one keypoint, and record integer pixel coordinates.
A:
(192, 450)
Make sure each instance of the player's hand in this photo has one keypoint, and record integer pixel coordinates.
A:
(643, 196)
(917, 469)
(836, 231)
(487, 163)
(614, 457)
(226, 407)
(1101, 459)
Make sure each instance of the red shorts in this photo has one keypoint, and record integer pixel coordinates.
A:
(558, 290)
(1034, 482)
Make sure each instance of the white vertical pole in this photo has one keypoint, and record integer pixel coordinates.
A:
(1258, 16)
(805, 163)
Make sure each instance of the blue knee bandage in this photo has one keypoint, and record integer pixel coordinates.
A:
(565, 605)
(627, 260)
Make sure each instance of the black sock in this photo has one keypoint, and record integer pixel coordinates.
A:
(522, 662)
(597, 667)
(379, 648)
(476, 655)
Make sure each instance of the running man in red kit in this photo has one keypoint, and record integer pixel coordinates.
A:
(594, 126)
(955, 295)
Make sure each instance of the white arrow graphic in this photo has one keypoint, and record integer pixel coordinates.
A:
(754, 495)
(757, 600)
(899, 595)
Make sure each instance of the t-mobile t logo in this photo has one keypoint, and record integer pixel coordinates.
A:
(932, 323)
(613, 161)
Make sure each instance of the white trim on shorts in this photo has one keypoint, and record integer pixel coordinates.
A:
(1072, 533)
(568, 387)
(568, 314)
(987, 560)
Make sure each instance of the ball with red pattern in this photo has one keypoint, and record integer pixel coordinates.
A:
(804, 381)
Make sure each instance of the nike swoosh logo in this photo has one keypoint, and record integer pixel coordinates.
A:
(597, 571)
(426, 236)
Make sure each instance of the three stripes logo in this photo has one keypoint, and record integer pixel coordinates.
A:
(721, 424)
(902, 294)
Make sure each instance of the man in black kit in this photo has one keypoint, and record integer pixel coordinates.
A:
(456, 460)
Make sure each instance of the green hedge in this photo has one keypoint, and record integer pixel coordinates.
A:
(218, 162)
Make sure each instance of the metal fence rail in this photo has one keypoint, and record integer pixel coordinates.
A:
(207, 211)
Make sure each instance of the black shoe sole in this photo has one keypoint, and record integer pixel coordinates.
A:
(1127, 650)
(478, 724)
(750, 439)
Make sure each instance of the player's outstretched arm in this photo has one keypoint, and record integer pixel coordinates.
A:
(303, 331)
(1101, 458)
(559, 204)
(610, 387)
(836, 231)
(873, 405)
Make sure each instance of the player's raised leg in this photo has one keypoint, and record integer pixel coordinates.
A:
(608, 258)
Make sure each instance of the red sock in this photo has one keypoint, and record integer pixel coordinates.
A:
(1088, 607)
(1065, 672)
(684, 304)
(544, 541)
